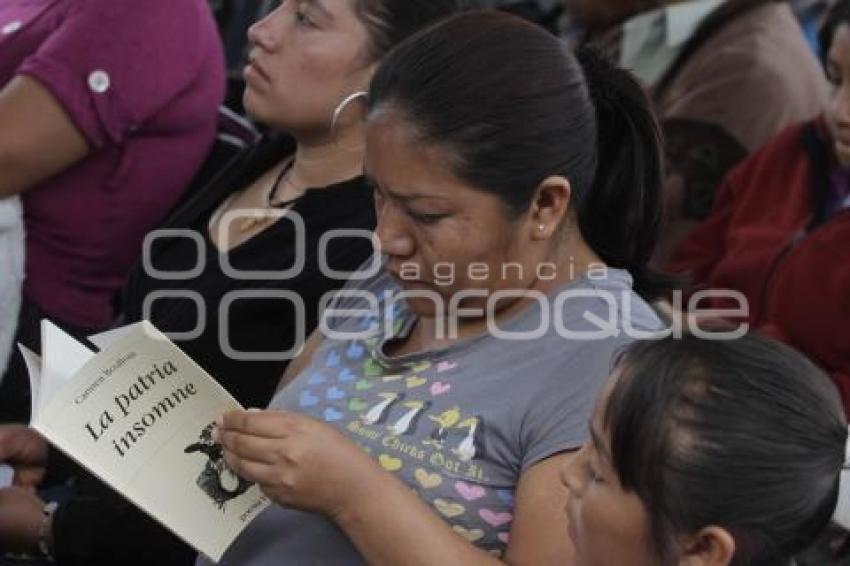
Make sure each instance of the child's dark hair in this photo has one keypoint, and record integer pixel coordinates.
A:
(743, 434)
(514, 106)
(839, 14)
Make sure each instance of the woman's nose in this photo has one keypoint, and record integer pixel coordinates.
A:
(266, 32)
(395, 244)
(392, 233)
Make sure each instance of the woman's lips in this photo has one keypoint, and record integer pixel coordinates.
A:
(254, 70)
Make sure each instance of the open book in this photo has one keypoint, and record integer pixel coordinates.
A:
(139, 415)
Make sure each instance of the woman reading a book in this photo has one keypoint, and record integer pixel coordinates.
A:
(427, 421)
(310, 62)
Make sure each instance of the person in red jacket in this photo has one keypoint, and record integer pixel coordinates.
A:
(779, 231)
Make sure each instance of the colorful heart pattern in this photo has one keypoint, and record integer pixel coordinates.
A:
(307, 399)
(355, 351)
(332, 415)
(471, 535)
(420, 367)
(390, 463)
(346, 375)
(332, 360)
(439, 388)
(427, 480)
(415, 381)
(344, 384)
(316, 378)
(470, 492)
(334, 394)
(495, 519)
(371, 368)
(449, 510)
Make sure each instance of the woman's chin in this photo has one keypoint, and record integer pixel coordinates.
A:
(250, 104)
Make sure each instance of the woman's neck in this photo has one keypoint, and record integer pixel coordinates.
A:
(319, 163)
(576, 259)
(575, 263)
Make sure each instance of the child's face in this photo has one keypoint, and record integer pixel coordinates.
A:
(608, 525)
(838, 73)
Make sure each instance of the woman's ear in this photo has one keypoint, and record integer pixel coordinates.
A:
(550, 206)
(712, 546)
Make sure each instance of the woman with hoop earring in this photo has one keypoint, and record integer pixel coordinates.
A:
(237, 274)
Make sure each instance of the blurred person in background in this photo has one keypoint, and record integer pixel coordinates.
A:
(11, 273)
(811, 14)
(726, 75)
(780, 229)
(547, 13)
(107, 110)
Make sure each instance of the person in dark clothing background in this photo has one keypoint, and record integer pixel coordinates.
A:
(725, 75)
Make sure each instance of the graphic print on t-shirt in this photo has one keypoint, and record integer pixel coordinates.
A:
(459, 425)
(407, 418)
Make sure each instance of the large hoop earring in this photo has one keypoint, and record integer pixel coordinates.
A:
(342, 106)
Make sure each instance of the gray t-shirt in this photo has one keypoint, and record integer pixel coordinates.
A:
(458, 425)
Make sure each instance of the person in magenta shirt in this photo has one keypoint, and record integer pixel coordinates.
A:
(107, 110)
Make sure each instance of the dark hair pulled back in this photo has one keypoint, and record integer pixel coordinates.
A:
(514, 106)
(743, 434)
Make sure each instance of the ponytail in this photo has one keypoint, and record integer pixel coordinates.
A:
(514, 106)
(621, 214)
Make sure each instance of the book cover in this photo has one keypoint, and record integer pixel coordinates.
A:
(139, 415)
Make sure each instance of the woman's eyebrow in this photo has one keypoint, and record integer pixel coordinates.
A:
(398, 196)
(319, 6)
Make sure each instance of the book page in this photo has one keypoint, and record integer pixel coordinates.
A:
(33, 363)
(61, 357)
(105, 339)
(139, 416)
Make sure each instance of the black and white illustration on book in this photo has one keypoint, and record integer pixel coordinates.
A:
(216, 479)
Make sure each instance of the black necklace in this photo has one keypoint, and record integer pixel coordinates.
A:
(255, 220)
(270, 200)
